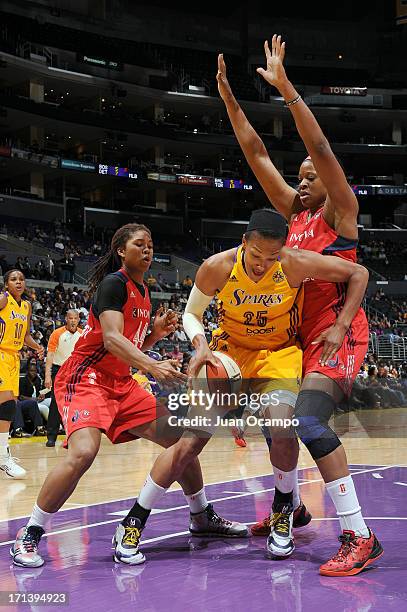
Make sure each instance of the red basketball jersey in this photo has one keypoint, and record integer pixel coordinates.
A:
(116, 292)
(322, 300)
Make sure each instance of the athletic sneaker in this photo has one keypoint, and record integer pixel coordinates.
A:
(9, 465)
(280, 542)
(354, 555)
(238, 436)
(301, 518)
(240, 442)
(20, 433)
(126, 540)
(209, 524)
(25, 549)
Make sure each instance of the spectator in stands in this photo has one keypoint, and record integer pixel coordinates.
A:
(38, 337)
(163, 353)
(180, 335)
(67, 269)
(177, 354)
(97, 248)
(4, 265)
(162, 282)
(187, 283)
(26, 267)
(151, 282)
(19, 265)
(27, 405)
(391, 389)
(363, 372)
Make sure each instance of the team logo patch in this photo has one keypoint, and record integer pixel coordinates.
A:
(278, 276)
(75, 417)
(92, 378)
(333, 363)
(83, 415)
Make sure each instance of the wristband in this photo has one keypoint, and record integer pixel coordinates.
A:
(293, 101)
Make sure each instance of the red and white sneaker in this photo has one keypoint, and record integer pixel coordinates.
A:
(238, 436)
(354, 555)
(301, 518)
(25, 549)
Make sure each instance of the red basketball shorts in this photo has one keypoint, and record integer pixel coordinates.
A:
(87, 397)
(345, 365)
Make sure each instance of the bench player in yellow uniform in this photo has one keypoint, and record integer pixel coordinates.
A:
(258, 286)
(15, 317)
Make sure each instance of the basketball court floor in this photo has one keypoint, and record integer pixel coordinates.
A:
(184, 572)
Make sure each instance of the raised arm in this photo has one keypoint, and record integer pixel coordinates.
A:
(340, 195)
(283, 197)
(299, 265)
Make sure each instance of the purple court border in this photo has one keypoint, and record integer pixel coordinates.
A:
(183, 572)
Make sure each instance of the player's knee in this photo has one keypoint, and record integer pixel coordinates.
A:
(82, 458)
(312, 413)
(279, 419)
(8, 411)
(187, 448)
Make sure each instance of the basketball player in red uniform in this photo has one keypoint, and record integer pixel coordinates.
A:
(323, 218)
(96, 393)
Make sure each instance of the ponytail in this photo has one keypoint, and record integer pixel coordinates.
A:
(112, 261)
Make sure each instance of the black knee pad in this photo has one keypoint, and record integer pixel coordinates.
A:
(8, 411)
(313, 411)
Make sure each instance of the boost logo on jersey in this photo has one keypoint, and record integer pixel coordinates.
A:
(260, 330)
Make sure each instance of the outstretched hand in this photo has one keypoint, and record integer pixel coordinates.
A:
(224, 88)
(164, 322)
(274, 73)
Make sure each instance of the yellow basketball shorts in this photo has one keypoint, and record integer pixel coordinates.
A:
(264, 370)
(9, 372)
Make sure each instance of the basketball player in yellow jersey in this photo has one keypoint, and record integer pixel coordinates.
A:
(258, 287)
(15, 317)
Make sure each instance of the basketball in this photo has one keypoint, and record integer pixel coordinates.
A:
(226, 378)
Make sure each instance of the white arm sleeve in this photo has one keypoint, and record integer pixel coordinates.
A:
(197, 303)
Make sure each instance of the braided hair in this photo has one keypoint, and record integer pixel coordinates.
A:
(111, 261)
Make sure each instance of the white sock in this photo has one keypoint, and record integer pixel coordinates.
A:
(150, 494)
(285, 481)
(296, 491)
(197, 502)
(343, 494)
(3, 443)
(39, 517)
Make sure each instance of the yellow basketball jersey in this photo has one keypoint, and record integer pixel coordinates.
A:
(258, 315)
(13, 324)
